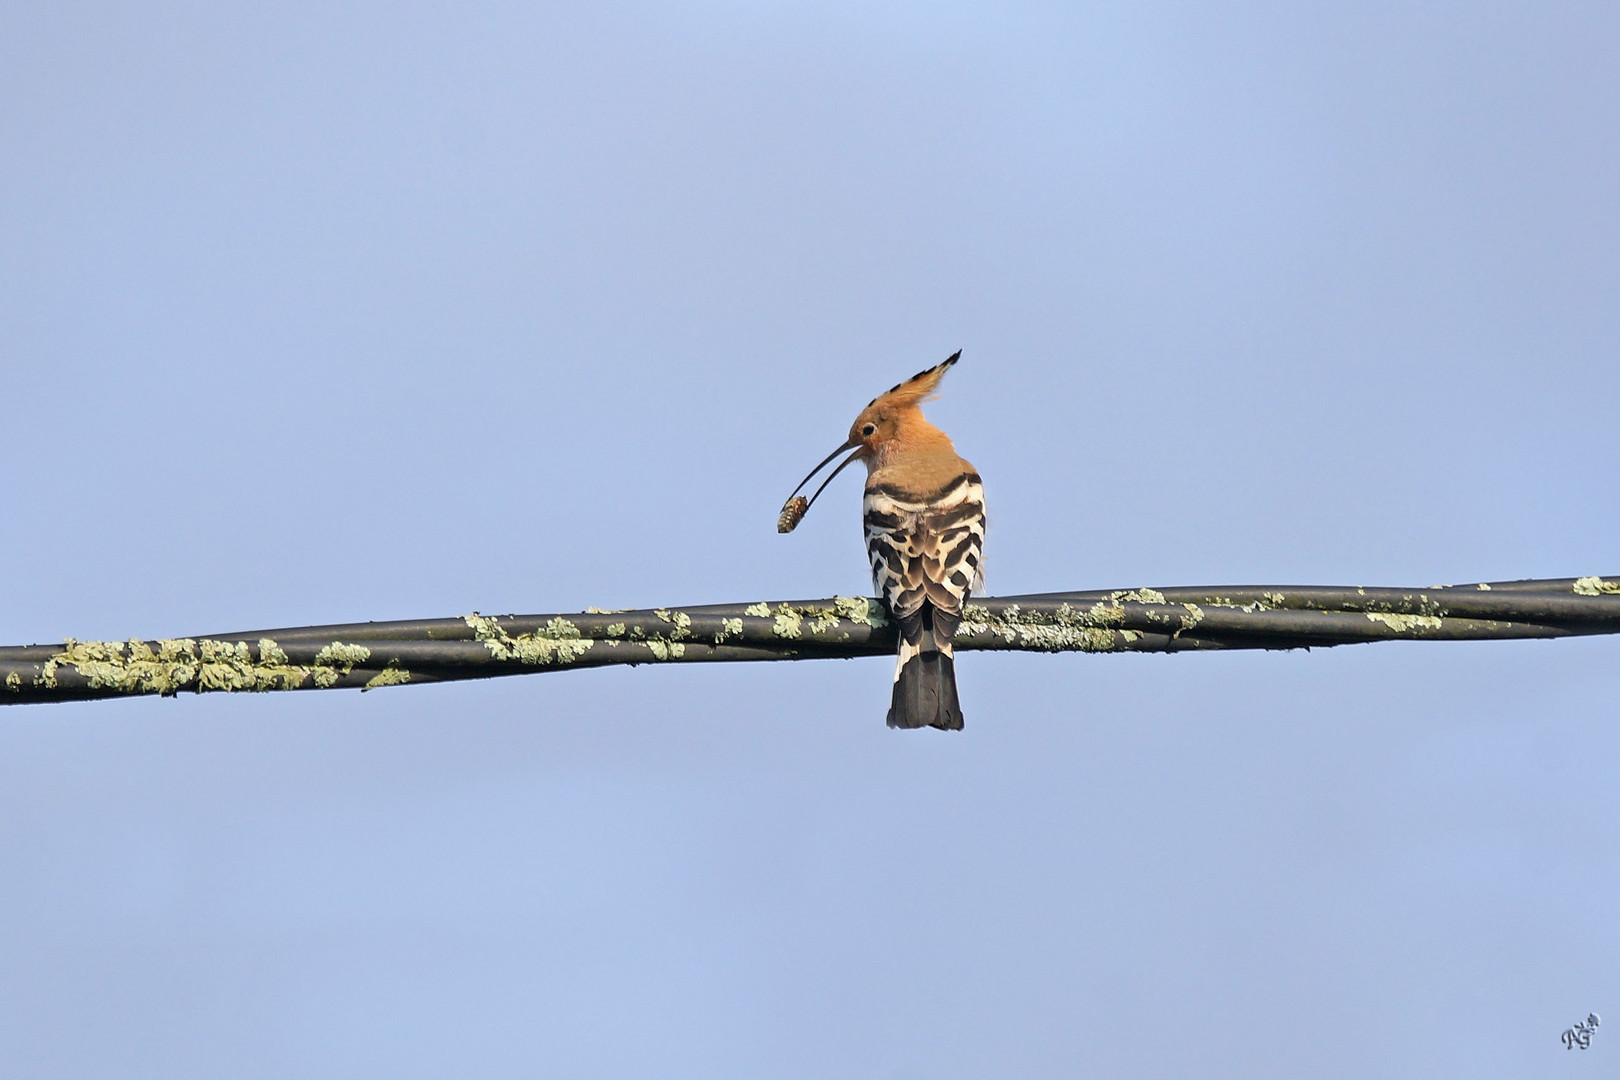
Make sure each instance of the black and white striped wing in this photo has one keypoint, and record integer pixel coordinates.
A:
(927, 546)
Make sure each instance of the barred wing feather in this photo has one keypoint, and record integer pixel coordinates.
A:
(928, 547)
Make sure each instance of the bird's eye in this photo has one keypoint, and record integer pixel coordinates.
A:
(869, 429)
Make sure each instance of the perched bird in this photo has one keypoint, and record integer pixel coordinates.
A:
(924, 519)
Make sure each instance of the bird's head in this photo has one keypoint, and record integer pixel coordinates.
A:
(884, 420)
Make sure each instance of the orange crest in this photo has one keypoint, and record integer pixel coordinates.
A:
(917, 389)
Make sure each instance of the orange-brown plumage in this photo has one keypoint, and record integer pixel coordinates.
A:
(892, 431)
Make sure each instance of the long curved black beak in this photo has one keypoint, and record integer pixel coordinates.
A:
(841, 466)
(818, 468)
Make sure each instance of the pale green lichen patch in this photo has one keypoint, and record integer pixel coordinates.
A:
(823, 620)
(669, 646)
(1274, 598)
(134, 667)
(1065, 630)
(229, 666)
(339, 655)
(388, 676)
(977, 619)
(728, 628)
(680, 620)
(1425, 607)
(1098, 628)
(1228, 603)
(336, 660)
(615, 630)
(1105, 614)
(1482, 587)
(1102, 613)
(558, 643)
(1596, 586)
(1405, 624)
(13, 681)
(791, 621)
(861, 609)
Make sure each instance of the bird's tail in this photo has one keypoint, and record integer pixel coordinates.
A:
(925, 672)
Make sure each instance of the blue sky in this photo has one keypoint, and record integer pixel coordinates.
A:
(344, 311)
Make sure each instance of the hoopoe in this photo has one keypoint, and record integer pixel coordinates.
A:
(924, 520)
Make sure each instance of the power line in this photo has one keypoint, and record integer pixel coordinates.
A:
(372, 654)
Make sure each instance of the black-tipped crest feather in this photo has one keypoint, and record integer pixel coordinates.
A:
(938, 369)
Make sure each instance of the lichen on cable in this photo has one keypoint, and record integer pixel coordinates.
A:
(678, 619)
(388, 676)
(559, 643)
(1406, 624)
(862, 609)
(788, 622)
(1065, 630)
(170, 666)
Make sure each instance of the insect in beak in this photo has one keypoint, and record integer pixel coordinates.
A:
(797, 506)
